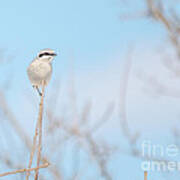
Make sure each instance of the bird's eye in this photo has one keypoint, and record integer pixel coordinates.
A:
(40, 55)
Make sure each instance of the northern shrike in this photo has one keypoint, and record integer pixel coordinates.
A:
(40, 69)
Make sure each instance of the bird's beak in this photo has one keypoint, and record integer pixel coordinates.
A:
(54, 54)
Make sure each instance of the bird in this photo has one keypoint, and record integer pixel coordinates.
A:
(40, 69)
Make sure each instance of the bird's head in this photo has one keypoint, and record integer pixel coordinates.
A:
(46, 55)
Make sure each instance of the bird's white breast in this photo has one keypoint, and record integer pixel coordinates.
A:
(39, 71)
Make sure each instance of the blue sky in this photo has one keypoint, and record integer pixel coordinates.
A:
(92, 29)
(89, 32)
(92, 35)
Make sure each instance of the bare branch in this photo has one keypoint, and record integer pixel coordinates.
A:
(24, 170)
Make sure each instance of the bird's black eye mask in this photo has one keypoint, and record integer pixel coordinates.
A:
(47, 54)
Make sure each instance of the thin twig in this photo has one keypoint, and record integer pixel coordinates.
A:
(123, 94)
(33, 149)
(24, 170)
(145, 175)
(40, 130)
